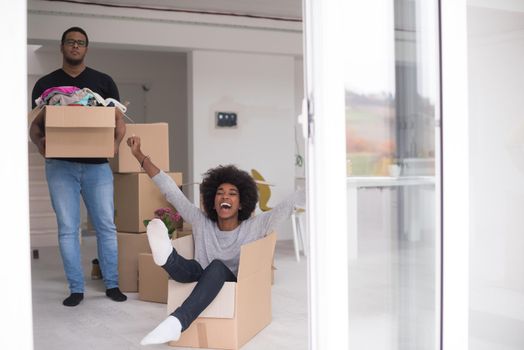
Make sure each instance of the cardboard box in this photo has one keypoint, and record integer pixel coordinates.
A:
(129, 246)
(186, 230)
(79, 132)
(241, 309)
(154, 140)
(152, 280)
(136, 199)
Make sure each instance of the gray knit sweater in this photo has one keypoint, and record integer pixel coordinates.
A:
(210, 242)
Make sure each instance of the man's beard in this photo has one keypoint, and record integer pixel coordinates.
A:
(73, 61)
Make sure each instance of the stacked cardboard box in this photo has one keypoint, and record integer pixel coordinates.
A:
(154, 142)
(136, 199)
(130, 245)
(152, 280)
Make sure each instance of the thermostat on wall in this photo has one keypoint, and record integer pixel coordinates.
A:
(225, 119)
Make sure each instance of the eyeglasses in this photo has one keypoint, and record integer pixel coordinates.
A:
(72, 42)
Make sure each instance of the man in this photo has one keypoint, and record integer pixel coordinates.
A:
(68, 178)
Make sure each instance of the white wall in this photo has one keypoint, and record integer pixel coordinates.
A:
(260, 88)
(496, 53)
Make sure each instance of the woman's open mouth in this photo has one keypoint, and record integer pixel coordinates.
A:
(225, 205)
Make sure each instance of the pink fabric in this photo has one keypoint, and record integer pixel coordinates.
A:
(64, 90)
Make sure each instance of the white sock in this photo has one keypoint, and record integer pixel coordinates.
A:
(167, 330)
(159, 241)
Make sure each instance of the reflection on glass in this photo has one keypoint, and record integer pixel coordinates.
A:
(392, 89)
(370, 134)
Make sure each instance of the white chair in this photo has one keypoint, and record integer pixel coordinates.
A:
(298, 232)
(297, 217)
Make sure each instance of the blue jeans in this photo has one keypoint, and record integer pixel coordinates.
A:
(209, 282)
(68, 181)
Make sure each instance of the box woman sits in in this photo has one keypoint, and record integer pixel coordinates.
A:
(229, 198)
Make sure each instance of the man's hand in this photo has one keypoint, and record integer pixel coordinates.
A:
(41, 146)
(37, 133)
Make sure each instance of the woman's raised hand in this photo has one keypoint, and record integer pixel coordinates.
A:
(134, 143)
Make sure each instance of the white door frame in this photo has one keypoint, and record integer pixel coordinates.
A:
(326, 176)
(455, 174)
(15, 267)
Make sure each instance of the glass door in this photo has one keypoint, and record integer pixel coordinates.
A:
(392, 97)
(377, 64)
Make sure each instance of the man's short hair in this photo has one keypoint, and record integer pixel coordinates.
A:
(75, 29)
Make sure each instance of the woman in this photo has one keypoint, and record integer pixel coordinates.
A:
(229, 198)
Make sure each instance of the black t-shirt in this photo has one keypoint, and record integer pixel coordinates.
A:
(98, 82)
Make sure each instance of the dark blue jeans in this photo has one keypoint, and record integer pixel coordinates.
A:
(209, 282)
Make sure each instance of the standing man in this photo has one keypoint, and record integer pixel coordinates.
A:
(91, 178)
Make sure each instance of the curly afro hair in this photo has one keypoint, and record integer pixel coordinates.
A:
(247, 189)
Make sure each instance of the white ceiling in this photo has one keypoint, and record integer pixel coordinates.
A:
(266, 8)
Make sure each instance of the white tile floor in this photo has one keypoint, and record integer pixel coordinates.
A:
(99, 323)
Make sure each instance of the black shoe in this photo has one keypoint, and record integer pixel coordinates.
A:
(115, 294)
(74, 299)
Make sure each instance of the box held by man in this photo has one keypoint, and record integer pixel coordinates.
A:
(78, 131)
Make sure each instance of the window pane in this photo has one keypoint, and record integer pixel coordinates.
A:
(391, 81)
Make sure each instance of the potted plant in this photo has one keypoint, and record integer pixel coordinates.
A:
(170, 218)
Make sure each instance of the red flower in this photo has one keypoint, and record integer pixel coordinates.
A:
(169, 217)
